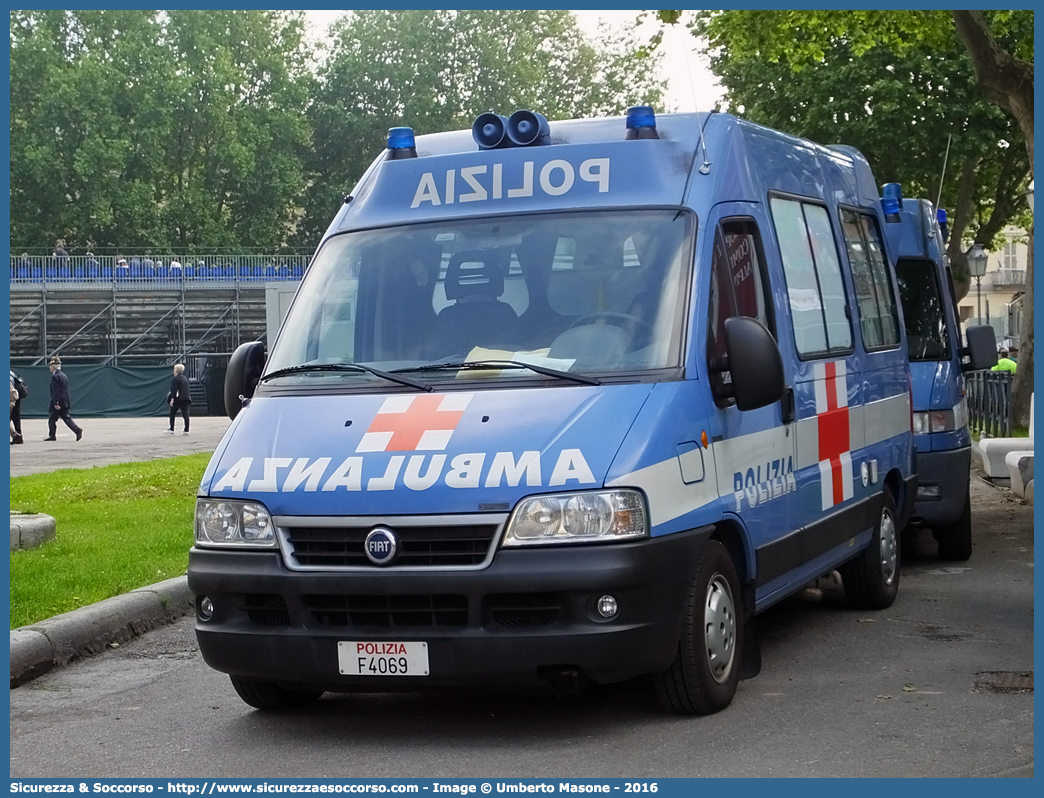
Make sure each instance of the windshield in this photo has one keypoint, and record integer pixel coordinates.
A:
(923, 309)
(582, 292)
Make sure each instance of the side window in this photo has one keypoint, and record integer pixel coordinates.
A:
(878, 315)
(814, 286)
(736, 290)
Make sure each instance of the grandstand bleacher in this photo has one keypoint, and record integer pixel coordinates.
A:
(92, 310)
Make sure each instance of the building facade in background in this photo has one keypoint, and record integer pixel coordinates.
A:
(1002, 289)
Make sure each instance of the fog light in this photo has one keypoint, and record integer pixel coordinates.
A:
(607, 606)
(206, 608)
(928, 492)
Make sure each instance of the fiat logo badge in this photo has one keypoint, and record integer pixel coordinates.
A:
(380, 545)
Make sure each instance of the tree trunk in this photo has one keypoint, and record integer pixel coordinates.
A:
(1008, 82)
(1004, 79)
(958, 224)
(1022, 390)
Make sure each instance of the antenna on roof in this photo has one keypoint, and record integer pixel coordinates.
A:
(706, 165)
(942, 177)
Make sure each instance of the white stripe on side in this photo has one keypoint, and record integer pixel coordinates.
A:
(841, 384)
(847, 482)
(826, 484)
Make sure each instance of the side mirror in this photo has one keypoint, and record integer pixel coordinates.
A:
(755, 363)
(982, 347)
(244, 370)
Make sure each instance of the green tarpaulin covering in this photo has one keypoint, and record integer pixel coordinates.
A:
(103, 391)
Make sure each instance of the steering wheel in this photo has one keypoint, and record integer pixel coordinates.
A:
(641, 331)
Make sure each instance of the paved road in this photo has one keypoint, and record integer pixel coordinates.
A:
(903, 692)
(111, 440)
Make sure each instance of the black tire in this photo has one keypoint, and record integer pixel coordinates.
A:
(955, 540)
(872, 579)
(705, 672)
(270, 696)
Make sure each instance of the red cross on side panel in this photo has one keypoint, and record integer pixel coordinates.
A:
(835, 456)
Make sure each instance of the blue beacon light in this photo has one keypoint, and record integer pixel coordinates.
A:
(892, 201)
(401, 143)
(641, 122)
(940, 218)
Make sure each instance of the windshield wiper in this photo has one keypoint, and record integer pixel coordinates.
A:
(357, 367)
(485, 365)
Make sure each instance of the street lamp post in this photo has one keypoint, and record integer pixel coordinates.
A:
(977, 258)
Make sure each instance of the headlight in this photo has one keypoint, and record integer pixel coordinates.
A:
(594, 517)
(230, 523)
(934, 421)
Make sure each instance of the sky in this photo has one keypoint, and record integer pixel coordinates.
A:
(690, 84)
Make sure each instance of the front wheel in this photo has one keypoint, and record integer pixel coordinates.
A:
(705, 672)
(871, 580)
(955, 540)
(270, 696)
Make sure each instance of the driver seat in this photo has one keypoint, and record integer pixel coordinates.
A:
(475, 281)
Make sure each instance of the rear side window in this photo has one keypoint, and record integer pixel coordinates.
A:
(814, 286)
(737, 289)
(924, 310)
(878, 315)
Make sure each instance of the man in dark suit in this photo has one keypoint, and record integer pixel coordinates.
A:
(178, 398)
(61, 404)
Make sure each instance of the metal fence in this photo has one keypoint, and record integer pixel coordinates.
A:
(150, 271)
(989, 403)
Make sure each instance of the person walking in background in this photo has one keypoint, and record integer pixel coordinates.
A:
(178, 397)
(14, 401)
(18, 393)
(1004, 363)
(61, 403)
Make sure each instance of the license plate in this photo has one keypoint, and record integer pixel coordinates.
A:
(382, 658)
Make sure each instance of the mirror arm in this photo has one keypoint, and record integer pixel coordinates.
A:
(718, 365)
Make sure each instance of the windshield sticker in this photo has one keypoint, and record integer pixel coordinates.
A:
(419, 472)
(476, 184)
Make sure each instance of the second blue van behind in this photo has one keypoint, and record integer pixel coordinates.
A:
(938, 360)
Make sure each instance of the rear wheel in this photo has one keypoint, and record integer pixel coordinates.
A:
(872, 579)
(705, 672)
(270, 696)
(955, 540)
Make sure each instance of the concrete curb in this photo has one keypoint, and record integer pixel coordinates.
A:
(29, 531)
(53, 643)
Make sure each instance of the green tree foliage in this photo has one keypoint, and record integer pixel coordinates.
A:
(999, 45)
(438, 70)
(146, 129)
(899, 110)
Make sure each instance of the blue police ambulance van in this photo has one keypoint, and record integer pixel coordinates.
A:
(938, 360)
(560, 403)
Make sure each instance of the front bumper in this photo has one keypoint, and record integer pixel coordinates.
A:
(949, 471)
(531, 613)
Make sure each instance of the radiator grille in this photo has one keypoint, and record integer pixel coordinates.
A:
(450, 545)
(389, 611)
(524, 609)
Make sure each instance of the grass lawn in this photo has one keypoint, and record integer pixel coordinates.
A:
(1016, 432)
(119, 528)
